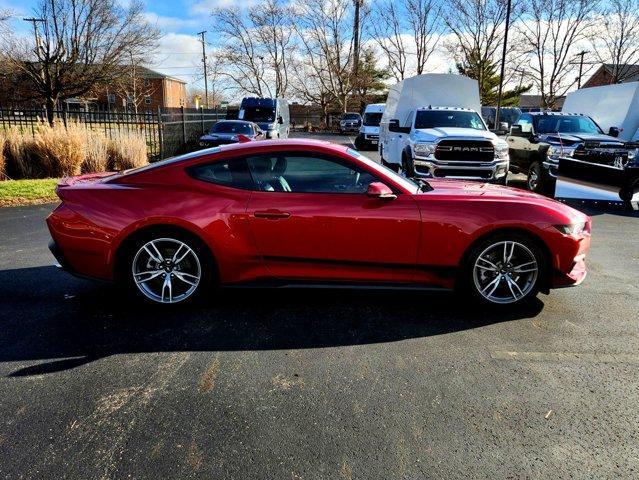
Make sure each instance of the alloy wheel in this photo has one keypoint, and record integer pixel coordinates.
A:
(505, 272)
(166, 270)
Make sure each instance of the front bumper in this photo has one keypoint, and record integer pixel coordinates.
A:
(354, 127)
(430, 167)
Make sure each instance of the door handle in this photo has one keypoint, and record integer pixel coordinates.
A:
(271, 214)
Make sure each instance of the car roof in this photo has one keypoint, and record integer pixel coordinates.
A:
(555, 114)
(437, 107)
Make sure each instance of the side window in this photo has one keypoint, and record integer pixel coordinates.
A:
(526, 123)
(409, 120)
(230, 173)
(302, 173)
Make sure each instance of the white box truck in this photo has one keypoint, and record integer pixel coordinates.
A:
(368, 136)
(431, 128)
(615, 108)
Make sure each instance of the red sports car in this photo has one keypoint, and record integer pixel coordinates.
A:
(302, 212)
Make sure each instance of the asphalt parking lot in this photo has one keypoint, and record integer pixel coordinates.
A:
(264, 384)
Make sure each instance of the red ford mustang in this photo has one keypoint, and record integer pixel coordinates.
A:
(303, 212)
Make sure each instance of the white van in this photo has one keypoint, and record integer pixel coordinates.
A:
(431, 128)
(368, 136)
(271, 114)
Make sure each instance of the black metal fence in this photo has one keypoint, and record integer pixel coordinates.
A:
(166, 131)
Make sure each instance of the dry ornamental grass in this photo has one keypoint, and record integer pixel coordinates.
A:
(60, 151)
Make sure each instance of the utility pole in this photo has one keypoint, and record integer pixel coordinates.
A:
(34, 21)
(356, 19)
(503, 66)
(206, 84)
(581, 66)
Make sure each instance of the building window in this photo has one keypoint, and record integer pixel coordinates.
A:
(147, 99)
(111, 97)
(147, 82)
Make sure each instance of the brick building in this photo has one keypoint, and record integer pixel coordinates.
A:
(148, 90)
(605, 75)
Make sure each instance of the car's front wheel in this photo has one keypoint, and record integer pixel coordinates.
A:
(167, 268)
(504, 270)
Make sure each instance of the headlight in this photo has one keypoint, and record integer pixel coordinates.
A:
(559, 151)
(202, 144)
(424, 149)
(501, 150)
(574, 229)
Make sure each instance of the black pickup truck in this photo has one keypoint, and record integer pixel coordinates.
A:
(545, 145)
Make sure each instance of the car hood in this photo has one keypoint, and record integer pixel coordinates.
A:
(432, 134)
(486, 191)
(218, 136)
(566, 138)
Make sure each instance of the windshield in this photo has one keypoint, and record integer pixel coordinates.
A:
(564, 124)
(372, 119)
(351, 116)
(232, 127)
(259, 114)
(448, 118)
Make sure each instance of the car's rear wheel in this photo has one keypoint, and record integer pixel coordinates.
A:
(168, 268)
(505, 270)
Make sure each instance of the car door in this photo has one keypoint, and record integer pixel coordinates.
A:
(519, 145)
(403, 137)
(312, 220)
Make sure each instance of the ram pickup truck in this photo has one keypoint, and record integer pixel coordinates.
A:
(423, 138)
(545, 145)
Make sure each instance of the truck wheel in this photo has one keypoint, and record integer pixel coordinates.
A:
(359, 145)
(539, 181)
(408, 167)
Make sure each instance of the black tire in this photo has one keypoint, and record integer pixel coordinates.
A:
(470, 284)
(207, 269)
(539, 180)
(408, 166)
(359, 143)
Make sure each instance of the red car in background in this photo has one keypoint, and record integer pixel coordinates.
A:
(301, 212)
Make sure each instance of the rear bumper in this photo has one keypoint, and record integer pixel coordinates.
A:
(57, 253)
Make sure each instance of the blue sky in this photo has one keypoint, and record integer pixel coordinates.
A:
(179, 52)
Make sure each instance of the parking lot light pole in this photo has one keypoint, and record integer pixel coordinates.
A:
(503, 65)
(206, 84)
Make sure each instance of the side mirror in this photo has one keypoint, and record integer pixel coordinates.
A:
(393, 125)
(503, 126)
(280, 120)
(381, 191)
(613, 132)
(516, 131)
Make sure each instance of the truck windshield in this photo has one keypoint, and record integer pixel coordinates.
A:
(259, 114)
(372, 119)
(448, 118)
(565, 124)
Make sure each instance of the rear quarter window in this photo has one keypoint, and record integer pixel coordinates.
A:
(232, 173)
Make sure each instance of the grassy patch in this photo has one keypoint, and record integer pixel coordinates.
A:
(27, 192)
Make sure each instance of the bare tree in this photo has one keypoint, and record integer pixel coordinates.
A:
(324, 28)
(550, 31)
(78, 44)
(615, 39)
(132, 82)
(256, 47)
(478, 31)
(408, 32)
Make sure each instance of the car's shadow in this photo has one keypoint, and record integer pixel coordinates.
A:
(49, 315)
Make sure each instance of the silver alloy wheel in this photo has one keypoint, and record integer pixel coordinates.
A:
(166, 270)
(505, 272)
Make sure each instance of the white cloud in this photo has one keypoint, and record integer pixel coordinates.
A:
(178, 55)
(172, 23)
